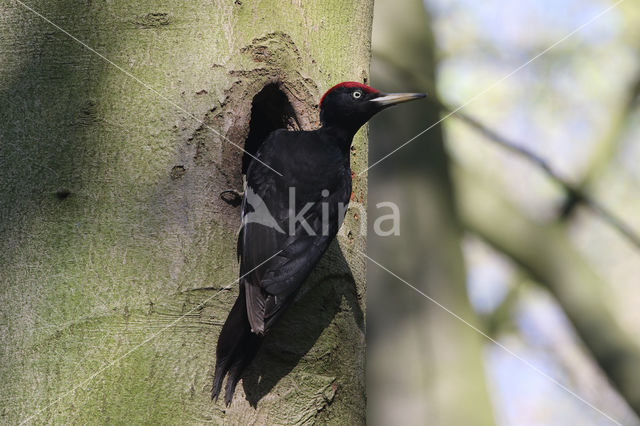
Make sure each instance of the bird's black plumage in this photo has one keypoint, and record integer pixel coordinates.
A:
(277, 253)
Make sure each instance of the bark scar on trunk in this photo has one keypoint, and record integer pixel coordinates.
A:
(269, 93)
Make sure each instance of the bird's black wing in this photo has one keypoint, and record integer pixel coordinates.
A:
(271, 287)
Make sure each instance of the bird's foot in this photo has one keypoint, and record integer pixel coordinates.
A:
(232, 197)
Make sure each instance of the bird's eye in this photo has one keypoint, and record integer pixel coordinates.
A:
(357, 94)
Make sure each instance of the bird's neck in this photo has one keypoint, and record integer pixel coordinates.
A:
(339, 135)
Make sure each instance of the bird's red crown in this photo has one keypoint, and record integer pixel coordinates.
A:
(349, 84)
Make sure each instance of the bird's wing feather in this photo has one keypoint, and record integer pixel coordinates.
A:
(271, 287)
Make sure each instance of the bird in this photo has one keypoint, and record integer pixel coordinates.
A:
(297, 188)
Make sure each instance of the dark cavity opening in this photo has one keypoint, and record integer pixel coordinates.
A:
(270, 110)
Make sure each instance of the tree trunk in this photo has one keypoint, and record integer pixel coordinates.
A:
(424, 365)
(116, 247)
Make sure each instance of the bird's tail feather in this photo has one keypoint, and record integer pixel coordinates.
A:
(237, 346)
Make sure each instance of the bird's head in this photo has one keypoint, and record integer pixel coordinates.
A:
(350, 104)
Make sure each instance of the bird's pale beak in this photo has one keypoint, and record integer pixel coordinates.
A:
(388, 99)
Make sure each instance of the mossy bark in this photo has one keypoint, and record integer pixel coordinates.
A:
(115, 245)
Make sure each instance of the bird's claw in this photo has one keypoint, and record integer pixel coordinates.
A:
(231, 197)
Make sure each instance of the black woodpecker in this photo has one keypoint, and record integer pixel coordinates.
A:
(297, 189)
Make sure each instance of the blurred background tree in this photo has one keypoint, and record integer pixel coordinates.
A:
(507, 242)
(546, 274)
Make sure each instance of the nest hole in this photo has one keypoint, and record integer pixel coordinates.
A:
(270, 110)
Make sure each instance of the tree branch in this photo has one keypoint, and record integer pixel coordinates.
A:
(606, 147)
(546, 253)
(575, 194)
